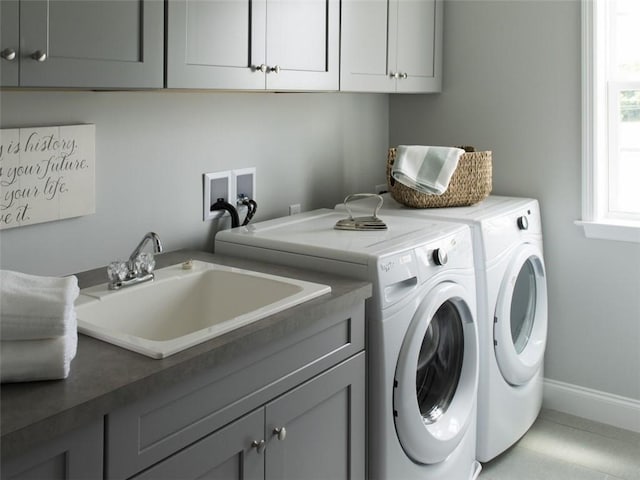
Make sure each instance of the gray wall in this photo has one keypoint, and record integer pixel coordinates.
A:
(512, 85)
(153, 147)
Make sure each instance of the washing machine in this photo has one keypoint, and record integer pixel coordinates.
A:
(421, 332)
(512, 309)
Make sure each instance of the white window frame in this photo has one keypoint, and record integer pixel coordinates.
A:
(596, 141)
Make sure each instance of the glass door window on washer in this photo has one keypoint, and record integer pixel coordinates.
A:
(520, 319)
(437, 375)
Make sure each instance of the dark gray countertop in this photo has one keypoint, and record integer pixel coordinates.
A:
(105, 377)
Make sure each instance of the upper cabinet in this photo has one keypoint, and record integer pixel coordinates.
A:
(91, 44)
(253, 44)
(281, 45)
(391, 46)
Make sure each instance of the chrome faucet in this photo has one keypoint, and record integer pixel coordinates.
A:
(139, 267)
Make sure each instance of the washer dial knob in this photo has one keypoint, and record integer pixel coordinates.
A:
(523, 222)
(440, 256)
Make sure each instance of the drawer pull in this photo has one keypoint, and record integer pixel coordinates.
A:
(258, 445)
(39, 56)
(281, 432)
(8, 54)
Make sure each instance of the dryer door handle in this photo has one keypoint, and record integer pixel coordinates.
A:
(395, 291)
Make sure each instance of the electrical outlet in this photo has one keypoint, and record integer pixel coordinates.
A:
(293, 209)
(380, 188)
(216, 185)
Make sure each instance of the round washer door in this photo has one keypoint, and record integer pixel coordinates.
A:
(520, 323)
(437, 375)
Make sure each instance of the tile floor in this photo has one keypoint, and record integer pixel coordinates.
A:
(564, 447)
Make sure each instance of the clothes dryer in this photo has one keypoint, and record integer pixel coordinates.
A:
(422, 340)
(512, 309)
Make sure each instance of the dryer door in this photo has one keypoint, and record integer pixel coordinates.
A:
(520, 319)
(437, 375)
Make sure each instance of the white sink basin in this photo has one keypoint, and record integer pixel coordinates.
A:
(182, 308)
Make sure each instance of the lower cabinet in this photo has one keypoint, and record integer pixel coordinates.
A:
(316, 430)
(293, 408)
(77, 455)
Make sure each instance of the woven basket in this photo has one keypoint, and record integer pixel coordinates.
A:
(469, 184)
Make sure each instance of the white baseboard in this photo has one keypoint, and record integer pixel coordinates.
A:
(594, 405)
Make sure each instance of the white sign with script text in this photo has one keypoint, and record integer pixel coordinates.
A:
(46, 173)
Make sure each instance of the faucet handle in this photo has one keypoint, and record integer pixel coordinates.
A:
(117, 271)
(144, 263)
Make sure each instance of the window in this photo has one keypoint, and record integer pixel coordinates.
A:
(611, 119)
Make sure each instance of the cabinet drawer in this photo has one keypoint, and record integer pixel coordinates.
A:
(150, 430)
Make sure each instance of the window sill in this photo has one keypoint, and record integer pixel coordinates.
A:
(620, 231)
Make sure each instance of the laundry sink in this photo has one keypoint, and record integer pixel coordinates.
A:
(186, 305)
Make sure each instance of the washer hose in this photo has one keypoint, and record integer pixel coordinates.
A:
(222, 205)
(251, 205)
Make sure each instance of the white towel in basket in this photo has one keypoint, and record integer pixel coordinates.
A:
(427, 169)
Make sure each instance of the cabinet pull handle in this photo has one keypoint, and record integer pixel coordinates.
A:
(258, 445)
(281, 432)
(404, 75)
(275, 69)
(259, 68)
(39, 56)
(8, 54)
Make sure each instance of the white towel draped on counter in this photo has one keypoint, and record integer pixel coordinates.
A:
(33, 307)
(426, 169)
(38, 326)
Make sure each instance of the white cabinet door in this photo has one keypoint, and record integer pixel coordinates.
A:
(216, 44)
(303, 44)
(364, 39)
(253, 44)
(391, 46)
(96, 44)
(417, 45)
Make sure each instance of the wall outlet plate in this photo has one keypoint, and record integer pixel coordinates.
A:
(215, 185)
(229, 185)
(294, 209)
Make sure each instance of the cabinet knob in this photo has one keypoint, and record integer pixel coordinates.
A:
(259, 68)
(258, 445)
(275, 69)
(404, 75)
(281, 432)
(394, 75)
(39, 56)
(8, 54)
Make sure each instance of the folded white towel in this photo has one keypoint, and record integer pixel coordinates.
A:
(424, 168)
(35, 307)
(30, 360)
